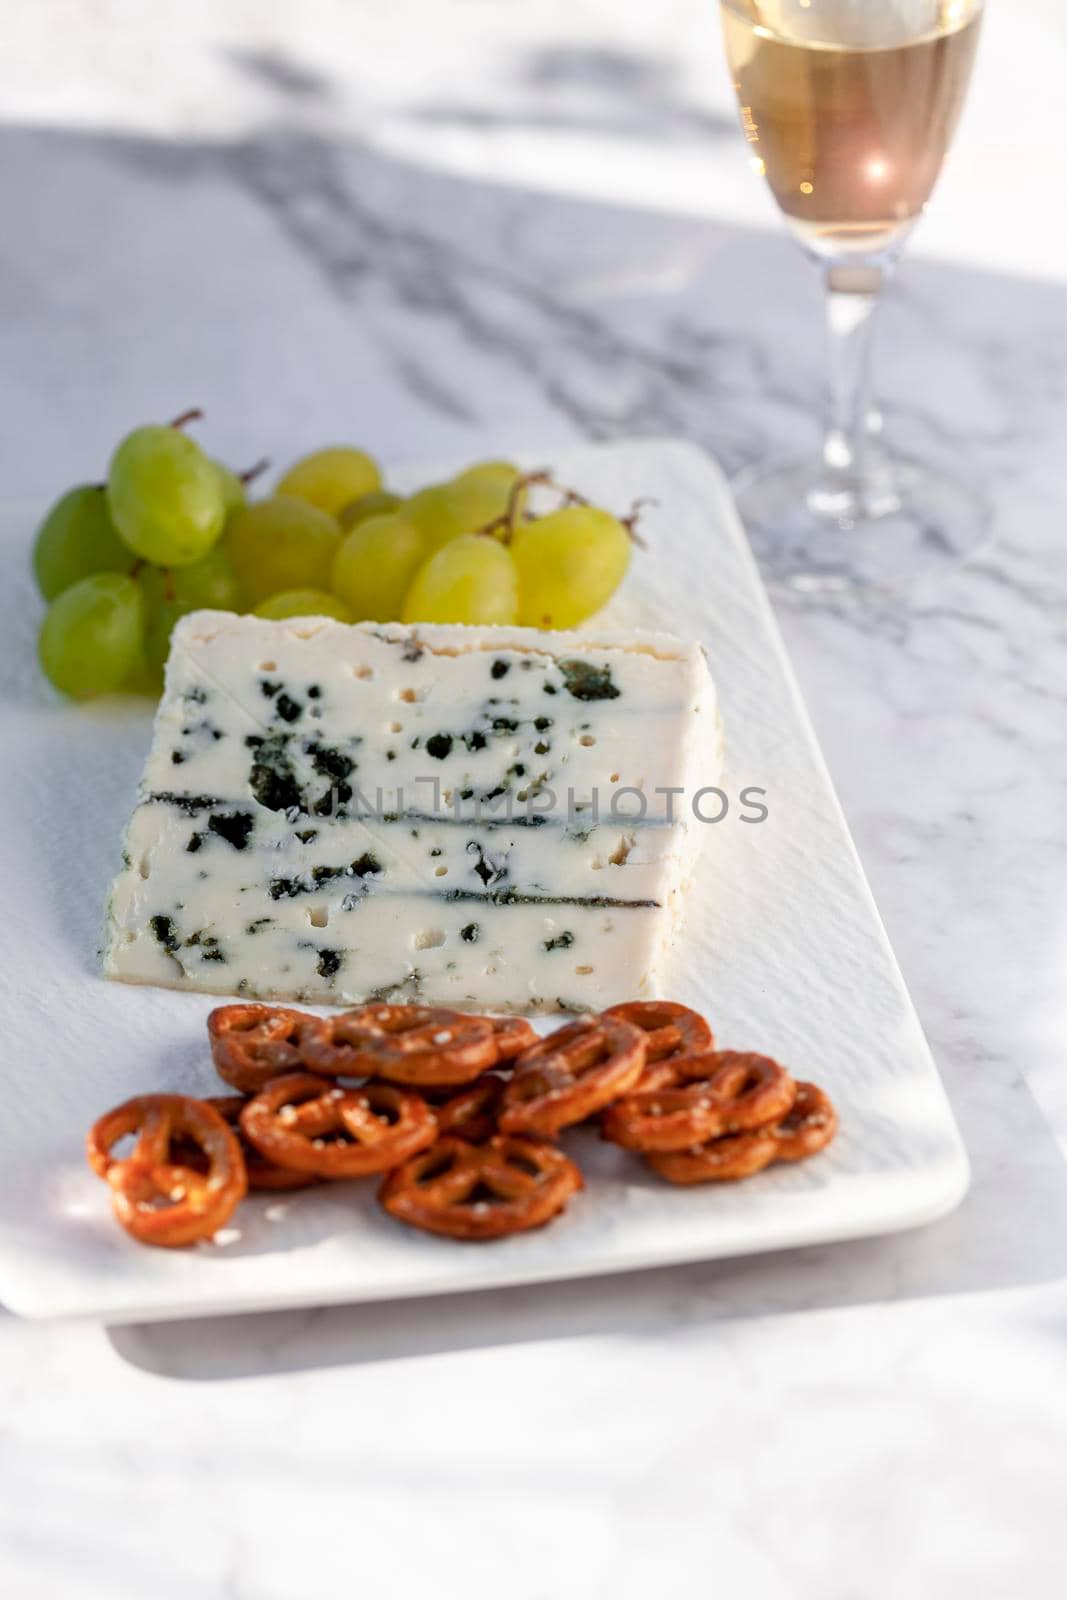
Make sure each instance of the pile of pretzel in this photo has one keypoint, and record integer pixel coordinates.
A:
(458, 1112)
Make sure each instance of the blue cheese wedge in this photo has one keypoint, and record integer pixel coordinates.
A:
(496, 818)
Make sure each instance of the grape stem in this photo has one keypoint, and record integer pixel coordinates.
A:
(508, 519)
(633, 517)
(194, 414)
(510, 515)
(250, 474)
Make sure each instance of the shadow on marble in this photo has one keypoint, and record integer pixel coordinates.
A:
(607, 320)
(282, 74)
(568, 89)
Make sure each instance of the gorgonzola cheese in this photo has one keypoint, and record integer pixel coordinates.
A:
(476, 817)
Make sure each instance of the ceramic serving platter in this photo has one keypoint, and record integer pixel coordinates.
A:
(783, 949)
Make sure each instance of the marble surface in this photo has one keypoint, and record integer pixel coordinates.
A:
(445, 230)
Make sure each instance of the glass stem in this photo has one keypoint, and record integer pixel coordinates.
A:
(853, 471)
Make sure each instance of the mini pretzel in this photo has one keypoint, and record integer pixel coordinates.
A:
(721, 1092)
(481, 1191)
(309, 1125)
(565, 1078)
(753, 1089)
(512, 1036)
(427, 1045)
(472, 1112)
(737, 1155)
(334, 1046)
(158, 1199)
(805, 1129)
(250, 1044)
(671, 1031)
(808, 1125)
(263, 1174)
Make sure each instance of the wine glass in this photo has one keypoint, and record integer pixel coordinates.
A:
(849, 107)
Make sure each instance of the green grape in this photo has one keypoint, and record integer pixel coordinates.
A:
(488, 486)
(439, 513)
(495, 477)
(375, 565)
(233, 490)
(331, 479)
(165, 496)
(280, 544)
(470, 579)
(376, 504)
(143, 680)
(445, 511)
(570, 563)
(304, 603)
(76, 539)
(161, 611)
(499, 471)
(90, 640)
(210, 584)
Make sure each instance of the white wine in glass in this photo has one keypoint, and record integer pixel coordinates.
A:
(849, 107)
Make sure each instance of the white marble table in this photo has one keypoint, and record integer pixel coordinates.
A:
(443, 228)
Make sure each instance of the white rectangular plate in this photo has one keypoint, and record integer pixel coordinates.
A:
(783, 950)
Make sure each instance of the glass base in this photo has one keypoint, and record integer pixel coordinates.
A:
(814, 532)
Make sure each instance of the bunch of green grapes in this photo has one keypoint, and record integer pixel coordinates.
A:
(118, 561)
(173, 530)
(469, 551)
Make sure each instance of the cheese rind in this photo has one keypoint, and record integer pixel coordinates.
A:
(473, 817)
